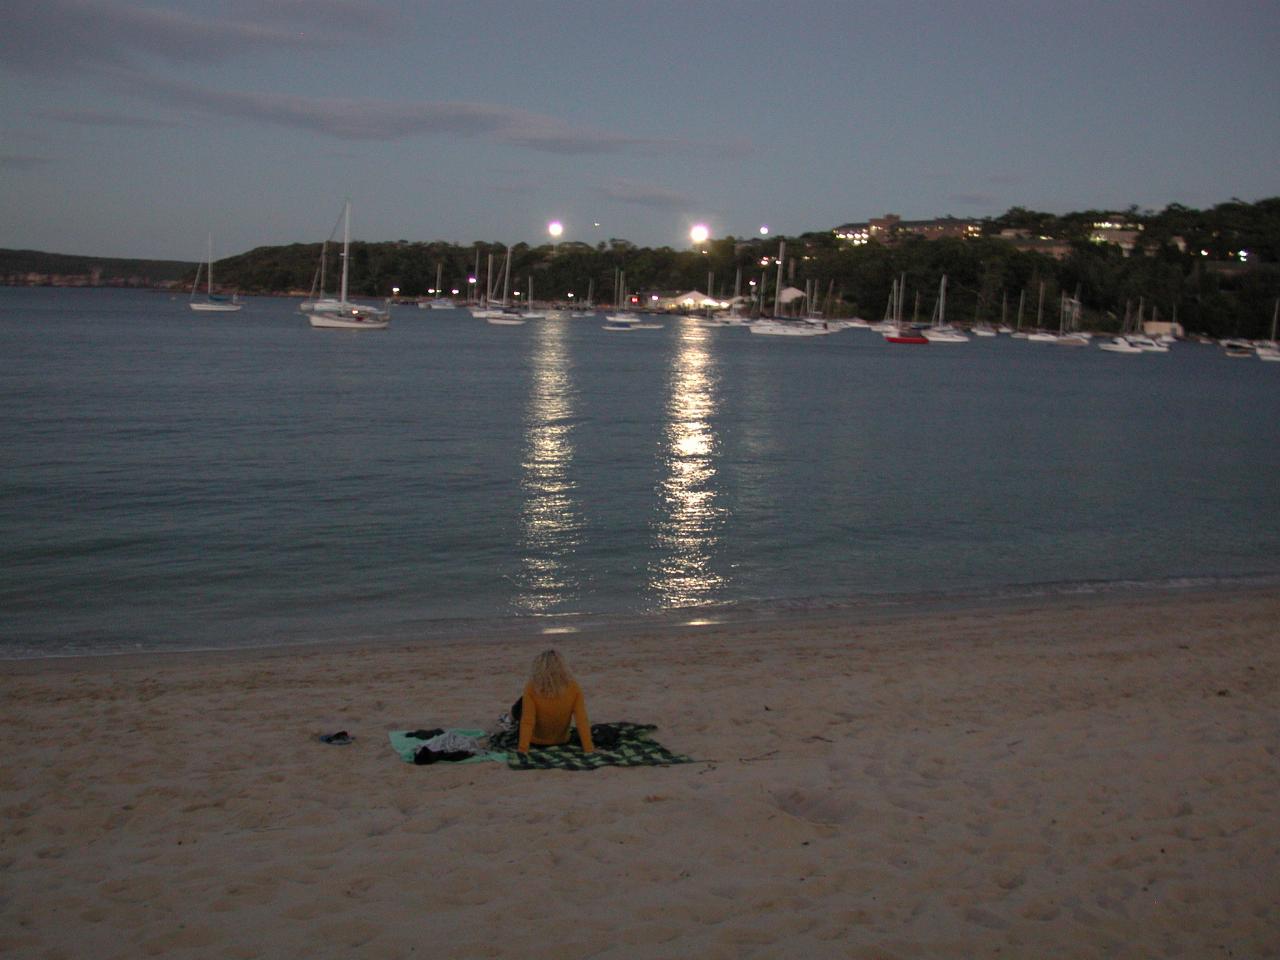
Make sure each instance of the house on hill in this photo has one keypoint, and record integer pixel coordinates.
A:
(892, 229)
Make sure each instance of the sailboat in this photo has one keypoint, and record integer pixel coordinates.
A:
(1040, 334)
(212, 303)
(892, 328)
(981, 327)
(1139, 337)
(621, 318)
(529, 312)
(939, 331)
(342, 314)
(1069, 332)
(439, 301)
(587, 309)
(778, 325)
(503, 314)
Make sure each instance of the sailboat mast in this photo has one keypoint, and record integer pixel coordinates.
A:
(346, 247)
(777, 290)
(506, 278)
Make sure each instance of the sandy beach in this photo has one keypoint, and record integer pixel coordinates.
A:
(1094, 777)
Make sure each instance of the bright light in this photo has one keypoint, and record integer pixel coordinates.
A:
(555, 228)
(570, 296)
(455, 291)
(653, 296)
(764, 230)
(471, 279)
(699, 233)
(395, 291)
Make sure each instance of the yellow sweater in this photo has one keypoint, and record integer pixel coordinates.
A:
(544, 721)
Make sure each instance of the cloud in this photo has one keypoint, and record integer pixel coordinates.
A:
(387, 120)
(64, 37)
(134, 48)
(102, 118)
(646, 195)
(18, 161)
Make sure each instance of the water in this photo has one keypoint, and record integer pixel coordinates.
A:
(176, 481)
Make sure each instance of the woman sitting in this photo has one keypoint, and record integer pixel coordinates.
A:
(552, 698)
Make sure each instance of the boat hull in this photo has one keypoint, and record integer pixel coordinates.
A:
(329, 321)
(774, 329)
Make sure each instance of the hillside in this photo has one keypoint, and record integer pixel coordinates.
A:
(34, 267)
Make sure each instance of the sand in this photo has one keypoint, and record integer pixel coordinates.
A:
(1086, 778)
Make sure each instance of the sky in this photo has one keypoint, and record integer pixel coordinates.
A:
(140, 129)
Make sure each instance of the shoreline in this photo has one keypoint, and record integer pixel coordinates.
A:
(1092, 777)
(868, 607)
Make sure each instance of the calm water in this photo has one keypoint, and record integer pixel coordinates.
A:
(174, 480)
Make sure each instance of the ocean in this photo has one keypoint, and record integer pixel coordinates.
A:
(177, 481)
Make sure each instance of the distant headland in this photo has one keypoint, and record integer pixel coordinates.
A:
(1217, 269)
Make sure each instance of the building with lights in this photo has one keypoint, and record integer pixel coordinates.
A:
(1123, 234)
(891, 229)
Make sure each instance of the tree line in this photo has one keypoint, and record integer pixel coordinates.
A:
(1187, 262)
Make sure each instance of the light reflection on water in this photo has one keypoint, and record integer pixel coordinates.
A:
(691, 515)
(551, 518)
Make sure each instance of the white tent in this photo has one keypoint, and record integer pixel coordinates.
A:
(789, 294)
(693, 300)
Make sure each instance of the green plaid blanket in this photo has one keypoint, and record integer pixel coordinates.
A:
(616, 745)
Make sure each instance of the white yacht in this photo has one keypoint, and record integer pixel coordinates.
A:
(342, 314)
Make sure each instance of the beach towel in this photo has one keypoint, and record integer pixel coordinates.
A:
(617, 745)
(406, 744)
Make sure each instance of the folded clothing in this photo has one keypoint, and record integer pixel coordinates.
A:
(433, 746)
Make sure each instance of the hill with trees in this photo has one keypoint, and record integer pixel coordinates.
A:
(1216, 268)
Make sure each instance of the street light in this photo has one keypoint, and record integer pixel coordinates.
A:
(699, 233)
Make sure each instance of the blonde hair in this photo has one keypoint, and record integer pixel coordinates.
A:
(550, 673)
